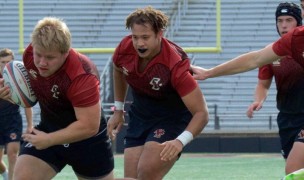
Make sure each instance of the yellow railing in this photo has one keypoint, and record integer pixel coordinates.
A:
(215, 49)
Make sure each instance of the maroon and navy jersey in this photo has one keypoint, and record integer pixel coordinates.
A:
(289, 78)
(8, 108)
(291, 44)
(156, 91)
(75, 84)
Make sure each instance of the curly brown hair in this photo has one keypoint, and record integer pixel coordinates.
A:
(156, 18)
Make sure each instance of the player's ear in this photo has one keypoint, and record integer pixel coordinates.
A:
(160, 33)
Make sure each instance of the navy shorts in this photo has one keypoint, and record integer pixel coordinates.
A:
(10, 128)
(139, 132)
(91, 158)
(290, 128)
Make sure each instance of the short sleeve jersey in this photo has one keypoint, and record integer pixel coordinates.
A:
(158, 89)
(289, 78)
(291, 44)
(75, 84)
(7, 108)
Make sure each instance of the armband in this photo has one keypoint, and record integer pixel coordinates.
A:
(118, 106)
(185, 137)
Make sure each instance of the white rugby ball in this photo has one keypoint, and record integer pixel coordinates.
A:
(16, 77)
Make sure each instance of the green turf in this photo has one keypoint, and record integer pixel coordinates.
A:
(212, 167)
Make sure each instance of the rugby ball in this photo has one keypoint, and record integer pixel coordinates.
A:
(17, 79)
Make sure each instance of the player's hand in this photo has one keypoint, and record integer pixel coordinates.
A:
(115, 123)
(4, 91)
(37, 138)
(171, 150)
(199, 73)
(255, 106)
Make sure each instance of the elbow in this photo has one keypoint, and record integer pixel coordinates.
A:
(204, 116)
(205, 119)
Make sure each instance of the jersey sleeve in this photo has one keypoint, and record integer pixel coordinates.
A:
(265, 72)
(182, 80)
(84, 91)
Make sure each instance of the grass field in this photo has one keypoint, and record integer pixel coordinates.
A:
(212, 167)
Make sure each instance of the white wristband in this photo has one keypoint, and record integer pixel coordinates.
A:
(118, 105)
(185, 137)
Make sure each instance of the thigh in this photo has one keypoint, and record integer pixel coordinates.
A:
(295, 160)
(93, 160)
(52, 155)
(287, 138)
(150, 163)
(30, 167)
(131, 159)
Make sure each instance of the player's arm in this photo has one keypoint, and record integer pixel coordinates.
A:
(86, 126)
(196, 104)
(260, 95)
(87, 108)
(29, 119)
(242, 63)
(116, 121)
(120, 85)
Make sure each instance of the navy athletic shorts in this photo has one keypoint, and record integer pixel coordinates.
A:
(139, 132)
(10, 128)
(290, 128)
(91, 158)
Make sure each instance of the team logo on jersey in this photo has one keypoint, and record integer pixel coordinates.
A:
(301, 134)
(33, 73)
(125, 71)
(158, 133)
(55, 92)
(277, 63)
(13, 136)
(156, 84)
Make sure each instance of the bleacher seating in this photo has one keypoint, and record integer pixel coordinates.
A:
(245, 26)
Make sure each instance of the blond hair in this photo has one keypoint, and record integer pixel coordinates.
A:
(156, 18)
(51, 33)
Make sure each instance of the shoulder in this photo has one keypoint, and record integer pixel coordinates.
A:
(172, 54)
(125, 45)
(78, 64)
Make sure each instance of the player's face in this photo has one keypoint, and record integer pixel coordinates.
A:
(145, 41)
(4, 61)
(48, 62)
(286, 23)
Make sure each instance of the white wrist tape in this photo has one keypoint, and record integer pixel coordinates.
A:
(119, 105)
(185, 137)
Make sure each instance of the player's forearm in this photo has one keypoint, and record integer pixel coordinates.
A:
(29, 116)
(242, 63)
(198, 123)
(260, 94)
(77, 131)
(120, 86)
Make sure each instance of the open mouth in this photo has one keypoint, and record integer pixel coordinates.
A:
(142, 50)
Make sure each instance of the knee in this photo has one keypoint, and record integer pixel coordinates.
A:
(145, 172)
(12, 155)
